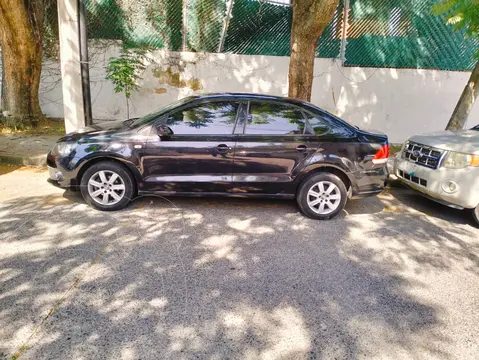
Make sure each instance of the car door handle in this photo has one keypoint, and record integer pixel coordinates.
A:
(301, 148)
(222, 148)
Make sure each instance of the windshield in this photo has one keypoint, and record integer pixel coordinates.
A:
(475, 127)
(150, 117)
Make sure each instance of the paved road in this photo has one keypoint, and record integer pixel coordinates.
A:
(393, 277)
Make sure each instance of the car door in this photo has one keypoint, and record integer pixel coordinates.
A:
(193, 151)
(272, 145)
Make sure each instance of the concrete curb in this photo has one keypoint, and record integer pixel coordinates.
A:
(38, 160)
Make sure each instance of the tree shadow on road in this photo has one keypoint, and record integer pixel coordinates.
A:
(203, 278)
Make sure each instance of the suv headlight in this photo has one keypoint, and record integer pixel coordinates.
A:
(64, 148)
(403, 147)
(457, 160)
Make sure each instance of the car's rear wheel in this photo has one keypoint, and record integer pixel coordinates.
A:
(107, 186)
(322, 196)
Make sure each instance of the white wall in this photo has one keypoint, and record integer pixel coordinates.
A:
(399, 102)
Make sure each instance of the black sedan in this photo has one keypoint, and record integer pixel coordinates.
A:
(228, 145)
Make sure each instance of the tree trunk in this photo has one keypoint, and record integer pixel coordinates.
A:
(21, 35)
(466, 102)
(310, 18)
(4, 87)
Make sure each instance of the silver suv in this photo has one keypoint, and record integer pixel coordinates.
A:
(443, 166)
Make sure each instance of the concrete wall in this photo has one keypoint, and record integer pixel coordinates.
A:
(399, 102)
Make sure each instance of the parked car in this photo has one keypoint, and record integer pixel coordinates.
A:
(225, 144)
(443, 166)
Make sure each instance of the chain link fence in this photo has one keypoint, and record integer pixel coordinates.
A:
(404, 34)
(264, 28)
(376, 33)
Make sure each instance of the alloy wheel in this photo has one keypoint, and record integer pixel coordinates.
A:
(106, 187)
(324, 197)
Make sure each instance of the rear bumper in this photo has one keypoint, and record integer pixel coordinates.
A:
(364, 194)
(368, 182)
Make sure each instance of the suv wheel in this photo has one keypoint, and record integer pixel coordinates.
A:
(322, 196)
(107, 186)
(475, 214)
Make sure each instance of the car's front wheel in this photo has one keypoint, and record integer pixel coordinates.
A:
(107, 186)
(322, 196)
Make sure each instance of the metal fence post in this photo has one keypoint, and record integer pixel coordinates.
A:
(225, 26)
(344, 35)
(184, 43)
(85, 71)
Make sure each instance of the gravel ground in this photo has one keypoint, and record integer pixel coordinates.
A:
(393, 277)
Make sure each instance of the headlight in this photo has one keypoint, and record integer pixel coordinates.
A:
(457, 160)
(64, 148)
(404, 145)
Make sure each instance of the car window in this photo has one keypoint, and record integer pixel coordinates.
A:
(318, 125)
(324, 123)
(475, 127)
(155, 115)
(216, 118)
(268, 118)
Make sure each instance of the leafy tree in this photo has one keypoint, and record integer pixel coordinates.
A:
(463, 15)
(21, 37)
(124, 72)
(310, 18)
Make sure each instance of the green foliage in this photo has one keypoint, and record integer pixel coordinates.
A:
(51, 46)
(124, 71)
(165, 17)
(105, 20)
(155, 23)
(205, 20)
(462, 15)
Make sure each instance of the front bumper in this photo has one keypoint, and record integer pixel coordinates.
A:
(435, 183)
(56, 178)
(58, 175)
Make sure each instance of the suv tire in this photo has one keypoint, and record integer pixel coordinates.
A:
(322, 196)
(107, 186)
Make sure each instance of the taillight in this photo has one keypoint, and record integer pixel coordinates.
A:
(382, 155)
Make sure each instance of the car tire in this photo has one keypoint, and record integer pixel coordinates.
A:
(107, 186)
(475, 214)
(322, 196)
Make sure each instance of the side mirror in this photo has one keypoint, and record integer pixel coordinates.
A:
(164, 131)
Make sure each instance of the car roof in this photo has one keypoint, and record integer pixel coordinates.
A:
(250, 96)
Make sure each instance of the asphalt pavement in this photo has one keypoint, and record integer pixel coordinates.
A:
(393, 277)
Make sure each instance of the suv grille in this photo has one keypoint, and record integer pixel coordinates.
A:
(414, 179)
(422, 155)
